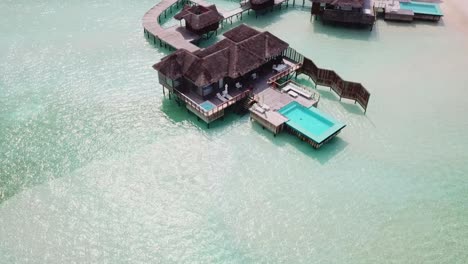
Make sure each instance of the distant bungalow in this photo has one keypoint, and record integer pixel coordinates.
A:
(200, 19)
(351, 12)
(261, 4)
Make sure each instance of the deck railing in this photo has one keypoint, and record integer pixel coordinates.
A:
(284, 73)
(293, 55)
(215, 110)
(344, 89)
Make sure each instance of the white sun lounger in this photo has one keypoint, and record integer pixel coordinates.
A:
(228, 96)
(259, 109)
(266, 107)
(220, 97)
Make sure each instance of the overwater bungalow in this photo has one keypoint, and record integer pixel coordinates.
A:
(214, 78)
(253, 70)
(200, 19)
(347, 12)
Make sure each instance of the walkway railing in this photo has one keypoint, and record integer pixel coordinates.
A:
(344, 89)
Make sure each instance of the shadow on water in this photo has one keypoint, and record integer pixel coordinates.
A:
(415, 23)
(345, 32)
(322, 155)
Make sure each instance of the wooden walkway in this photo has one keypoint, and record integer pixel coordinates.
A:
(178, 37)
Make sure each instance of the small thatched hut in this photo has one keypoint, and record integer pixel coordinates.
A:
(200, 19)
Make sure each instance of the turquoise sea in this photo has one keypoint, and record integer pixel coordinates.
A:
(97, 167)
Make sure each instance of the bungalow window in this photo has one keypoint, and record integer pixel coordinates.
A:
(162, 78)
(346, 8)
(207, 90)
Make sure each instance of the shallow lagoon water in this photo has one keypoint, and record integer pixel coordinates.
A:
(96, 166)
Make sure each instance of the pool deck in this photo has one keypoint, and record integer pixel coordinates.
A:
(273, 100)
(397, 11)
(316, 138)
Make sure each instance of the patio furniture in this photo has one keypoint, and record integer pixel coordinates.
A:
(259, 109)
(280, 67)
(220, 97)
(293, 94)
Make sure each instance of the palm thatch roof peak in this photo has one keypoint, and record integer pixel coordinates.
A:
(243, 50)
(199, 16)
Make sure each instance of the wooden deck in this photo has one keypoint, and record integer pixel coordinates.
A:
(209, 115)
(269, 101)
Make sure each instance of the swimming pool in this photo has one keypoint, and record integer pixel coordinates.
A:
(422, 8)
(311, 122)
(207, 105)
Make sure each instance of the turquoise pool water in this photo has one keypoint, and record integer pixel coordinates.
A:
(207, 105)
(422, 8)
(97, 166)
(310, 121)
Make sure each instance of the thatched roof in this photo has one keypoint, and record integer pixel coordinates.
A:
(352, 3)
(259, 2)
(244, 49)
(198, 17)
